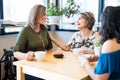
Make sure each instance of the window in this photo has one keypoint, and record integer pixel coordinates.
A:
(112, 3)
(17, 10)
(85, 5)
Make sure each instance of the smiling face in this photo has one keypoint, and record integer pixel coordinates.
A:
(43, 19)
(37, 15)
(81, 22)
(86, 20)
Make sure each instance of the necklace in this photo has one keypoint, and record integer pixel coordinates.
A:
(37, 31)
(40, 37)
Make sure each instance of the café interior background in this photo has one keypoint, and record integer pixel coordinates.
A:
(11, 12)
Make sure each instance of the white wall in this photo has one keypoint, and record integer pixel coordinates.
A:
(6, 41)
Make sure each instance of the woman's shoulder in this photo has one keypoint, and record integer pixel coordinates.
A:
(110, 46)
(25, 29)
(96, 34)
(76, 33)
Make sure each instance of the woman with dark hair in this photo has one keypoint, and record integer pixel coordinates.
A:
(108, 66)
(83, 38)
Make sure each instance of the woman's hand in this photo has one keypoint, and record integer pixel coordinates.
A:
(93, 58)
(83, 60)
(83, 51)
(86, 51)
(29, 56)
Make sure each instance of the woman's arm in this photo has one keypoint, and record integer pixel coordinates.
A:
(28, 56)
(86, 51)
(90, 69)
(60, 44)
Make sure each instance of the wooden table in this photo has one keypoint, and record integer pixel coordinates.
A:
(52, 68)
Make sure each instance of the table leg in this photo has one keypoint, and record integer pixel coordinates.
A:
(20, 74)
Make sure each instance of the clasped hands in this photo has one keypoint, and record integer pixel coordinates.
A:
(83, 60)
(90, 57)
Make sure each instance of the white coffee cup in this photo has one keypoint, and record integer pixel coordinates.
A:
(39, 55)
(97, 50)
(76, 51)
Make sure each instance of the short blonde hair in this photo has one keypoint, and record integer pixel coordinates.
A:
(37, 12)
(89, 17)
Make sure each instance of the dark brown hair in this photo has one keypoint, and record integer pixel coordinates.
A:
(110, 23)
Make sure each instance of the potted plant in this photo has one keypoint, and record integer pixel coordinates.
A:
(54, 12)
(71, 8)
(97, 45)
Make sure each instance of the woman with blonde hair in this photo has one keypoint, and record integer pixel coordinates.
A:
(33, 37)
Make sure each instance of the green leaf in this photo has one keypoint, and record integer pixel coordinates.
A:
(53, 10)
(97, 42)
